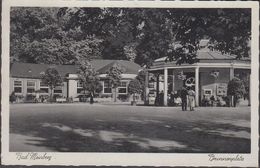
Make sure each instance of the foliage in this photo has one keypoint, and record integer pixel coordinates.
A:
(236, 88)
(130, 52)
(39, 36)
(135, 87)
(52, 78)
(114, 77)
(89, 78)
(141, 78)
(62, 35)
(174, 33)
(245, 78)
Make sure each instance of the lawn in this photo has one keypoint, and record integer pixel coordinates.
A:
(122, 128)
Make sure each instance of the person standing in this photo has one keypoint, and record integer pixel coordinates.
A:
(212, 100)
(12, 97)
(191, 97)
(184, 94)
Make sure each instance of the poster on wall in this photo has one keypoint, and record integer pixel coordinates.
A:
(221, 89)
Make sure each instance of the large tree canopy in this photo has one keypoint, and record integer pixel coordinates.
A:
(38, 35)
(61, 35)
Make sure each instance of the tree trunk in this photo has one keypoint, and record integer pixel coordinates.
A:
(91, 98)
(115, 94)
(51, 95)
(232, 101)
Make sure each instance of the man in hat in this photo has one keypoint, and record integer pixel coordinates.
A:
(184, 94)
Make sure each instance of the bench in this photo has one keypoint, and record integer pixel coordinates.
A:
(61, 100)
(75, 99)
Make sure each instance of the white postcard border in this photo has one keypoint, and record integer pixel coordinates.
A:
(130, 159)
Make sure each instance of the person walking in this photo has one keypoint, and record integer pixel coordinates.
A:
(191, 98)
(184, 94)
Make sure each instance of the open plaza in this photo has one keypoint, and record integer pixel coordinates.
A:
(125, 128)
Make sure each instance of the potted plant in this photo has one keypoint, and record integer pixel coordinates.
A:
(235, 91)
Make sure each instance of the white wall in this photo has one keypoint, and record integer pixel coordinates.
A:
(72, 84)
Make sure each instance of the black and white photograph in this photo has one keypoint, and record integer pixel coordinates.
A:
(131, 80)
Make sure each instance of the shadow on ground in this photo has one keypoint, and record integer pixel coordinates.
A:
(74, 133)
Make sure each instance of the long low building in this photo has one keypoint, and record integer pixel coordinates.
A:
(25, 78)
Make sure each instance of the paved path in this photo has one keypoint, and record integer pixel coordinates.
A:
(122, 128)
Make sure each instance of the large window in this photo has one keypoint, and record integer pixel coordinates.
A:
(79, 87)
(18, 86)
(44, 88)
(58, 90)
(122, 88)
(31, 86)
(107, 87)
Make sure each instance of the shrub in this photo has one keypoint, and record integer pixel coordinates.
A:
(236, 88)
(134, 88)
(123, 97)
(30, 97)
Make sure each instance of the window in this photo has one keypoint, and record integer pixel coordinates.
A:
(107, 87)
(122, 88)
(57, 90)
(122, 84)
(207, 92)
(79, 87)
(151, 85)
(17, 86)
(30, 86)
(44, 88)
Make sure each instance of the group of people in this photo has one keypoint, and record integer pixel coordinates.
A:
(187, 98)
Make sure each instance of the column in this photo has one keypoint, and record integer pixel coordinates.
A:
(157, 88)
(146, 98)
(249, 92)
(231, 73)
(165, 88)
(173, 77)
(197, 86)
(72, 88)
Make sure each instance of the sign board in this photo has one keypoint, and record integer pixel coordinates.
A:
(222, 89)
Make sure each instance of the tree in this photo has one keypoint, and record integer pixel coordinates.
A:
(89, 79)
(52, 78)
(38, 35)
(141, 78)
(236, 89)
(137, 34)
(171, 32)
(134, 88)
(114, 78)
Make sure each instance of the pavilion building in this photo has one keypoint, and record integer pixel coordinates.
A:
(208, 77)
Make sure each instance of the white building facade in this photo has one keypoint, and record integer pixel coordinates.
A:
(25, 79)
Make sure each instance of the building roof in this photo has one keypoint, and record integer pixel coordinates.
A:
(210, 55)
(29, 70)
(127, 67)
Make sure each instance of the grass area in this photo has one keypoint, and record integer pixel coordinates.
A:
(111, 128)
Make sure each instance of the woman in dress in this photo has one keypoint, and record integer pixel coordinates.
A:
(191, 98)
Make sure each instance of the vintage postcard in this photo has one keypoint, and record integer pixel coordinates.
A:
(130, 83)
